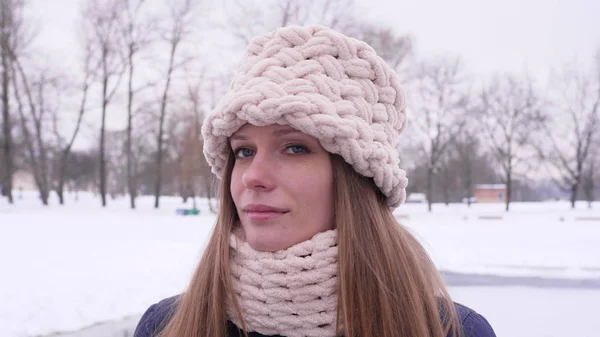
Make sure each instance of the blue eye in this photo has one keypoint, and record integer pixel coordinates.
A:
(243, 153)
(296, 149)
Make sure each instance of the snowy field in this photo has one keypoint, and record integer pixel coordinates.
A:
(81, 270)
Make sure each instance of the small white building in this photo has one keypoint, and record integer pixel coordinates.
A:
(416, 198)
(23, 180)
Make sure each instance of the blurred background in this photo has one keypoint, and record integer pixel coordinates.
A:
(106, 200)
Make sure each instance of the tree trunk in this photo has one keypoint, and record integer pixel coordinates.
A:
(589, 184)
(44, 196)
(469, 183)
(429, 187)
(576, 181)
(163, 109)
(446, 186)
(508, 188)
(131, 185)
(39, 168)
(446, 196)
(61, 182)
(43, 153)
(574, 189)
(589, 193)
(102, 156)
(67, 150)
(7, 180)
(159, 160)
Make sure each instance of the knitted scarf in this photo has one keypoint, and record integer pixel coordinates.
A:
(292, 292)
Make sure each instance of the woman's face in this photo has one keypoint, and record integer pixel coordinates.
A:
(282, 186)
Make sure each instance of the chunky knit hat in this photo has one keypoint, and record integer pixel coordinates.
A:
(324, 84)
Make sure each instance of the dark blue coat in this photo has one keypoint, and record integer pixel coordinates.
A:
(157, 315)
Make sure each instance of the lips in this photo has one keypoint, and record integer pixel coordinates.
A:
(259, 212)
(258, 208)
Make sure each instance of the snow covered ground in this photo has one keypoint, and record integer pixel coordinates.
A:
(73, 267)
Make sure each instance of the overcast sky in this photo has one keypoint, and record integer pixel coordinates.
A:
(500, 35)
(490, 35)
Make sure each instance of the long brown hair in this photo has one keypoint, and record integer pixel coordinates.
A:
(387, 284)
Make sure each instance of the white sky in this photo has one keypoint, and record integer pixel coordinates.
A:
(491, 35)
(500, 35)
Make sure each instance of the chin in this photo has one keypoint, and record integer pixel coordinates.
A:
(264, 242)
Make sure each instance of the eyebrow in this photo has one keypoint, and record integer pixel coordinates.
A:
(277, 132)
(235, 136)
(282, 132)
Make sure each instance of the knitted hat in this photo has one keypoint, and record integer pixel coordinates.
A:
(326, 85)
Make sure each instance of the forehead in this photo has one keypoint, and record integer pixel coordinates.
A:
(249, 130)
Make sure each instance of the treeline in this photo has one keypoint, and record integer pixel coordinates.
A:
(147, 64)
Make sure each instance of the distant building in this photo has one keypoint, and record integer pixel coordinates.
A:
(488, 193)
(416, 198)
(24, 180)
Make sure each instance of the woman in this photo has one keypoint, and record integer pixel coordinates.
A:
(306, 243)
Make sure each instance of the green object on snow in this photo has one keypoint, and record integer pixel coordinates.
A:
(193, 211)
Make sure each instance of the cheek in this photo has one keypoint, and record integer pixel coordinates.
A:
(317, 189)
(327, 189)
(236, 186)
(322, 207)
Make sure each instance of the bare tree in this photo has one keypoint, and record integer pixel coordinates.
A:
(13, 39)
(81, 171)
(38, 147)
(196, 178)
(143, 140)
(570, 126)
(441, 102)
(103, 32)
(510, 108)
(191, 143)
(447, 176)
(178, 30)
(90, 66)
(208, 178)
(137, 32)
(591, 177)
(7, 163)
(190, 146)
(467, 150)
(570, 138)
(116, 182)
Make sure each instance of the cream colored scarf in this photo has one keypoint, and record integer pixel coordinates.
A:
(290, 292)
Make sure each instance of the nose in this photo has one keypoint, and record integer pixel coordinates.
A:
(259, 173)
